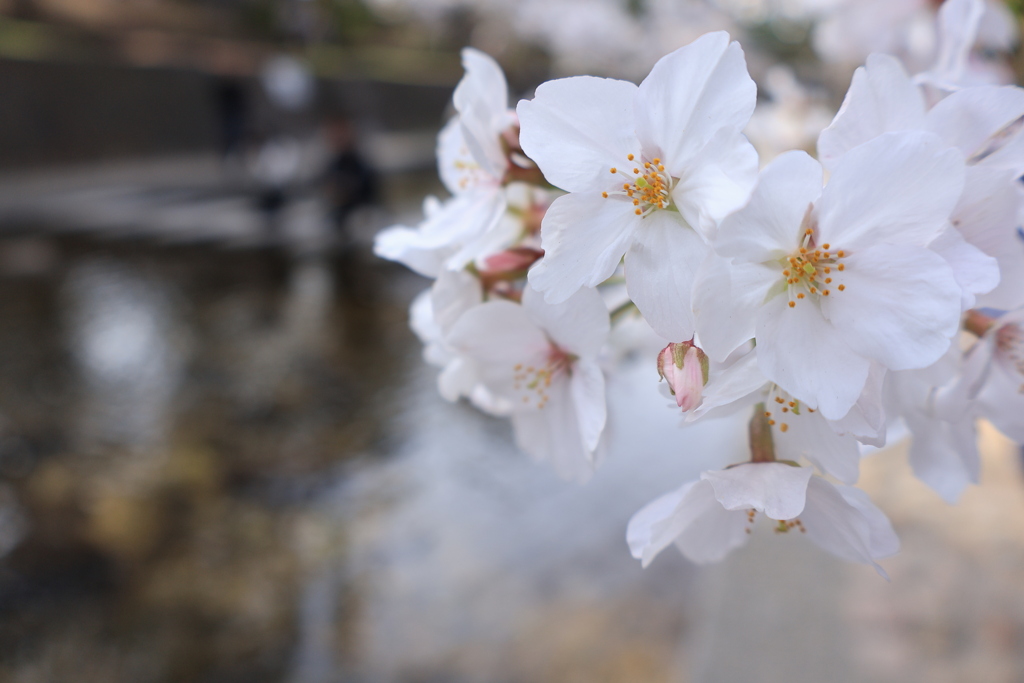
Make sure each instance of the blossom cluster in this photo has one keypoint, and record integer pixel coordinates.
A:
(840, 300)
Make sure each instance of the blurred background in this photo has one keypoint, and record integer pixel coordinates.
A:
(222, 457)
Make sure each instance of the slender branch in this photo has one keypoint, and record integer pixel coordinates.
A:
(762, 447)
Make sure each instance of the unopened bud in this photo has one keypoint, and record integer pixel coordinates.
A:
(685, 367)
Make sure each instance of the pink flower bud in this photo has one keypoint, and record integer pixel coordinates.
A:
(685, 366)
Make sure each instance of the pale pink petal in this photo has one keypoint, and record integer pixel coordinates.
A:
(728, 385)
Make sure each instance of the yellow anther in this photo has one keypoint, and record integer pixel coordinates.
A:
(783, 427)
(792, 304)
(842, 287)
(630, 157)
(841, 266)
(638, 212)
(605, 195)
(614, 170)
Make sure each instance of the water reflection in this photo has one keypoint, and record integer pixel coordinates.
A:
(129, 349)
(234, 466)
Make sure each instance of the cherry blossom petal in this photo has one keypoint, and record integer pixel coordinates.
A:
(866, 419)
(689, 95)
(715, 533)
(881, 99)
(776, 489)
(798, 349)
(728, 385)
(552, 435)
(650, 529)
(661, 265)
(850, 528)
(693, 519)
(1002, 402)
(974, 271)
(586, 388)
(987, 218)
(579, 325)
(584, 236)
(768, 227)
(726, 298)
(969, 118)
(481, 98)
(453, 293)
(498, 332)
(944, 455)
(958, 31)
(717, 181)
(898, 188)
(809, 435)
(901, 305)
(459, 170)
(576, 129)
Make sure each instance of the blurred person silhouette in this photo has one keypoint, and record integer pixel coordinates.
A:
(351, 182)
(233, 116)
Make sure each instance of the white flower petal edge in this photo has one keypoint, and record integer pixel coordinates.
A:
(708, 518)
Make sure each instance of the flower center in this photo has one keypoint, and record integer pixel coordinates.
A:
(649, 186)
(810, 269)
(781, 409)
(781, 526)
(533, 382)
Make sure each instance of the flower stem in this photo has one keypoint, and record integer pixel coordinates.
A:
(762, 448)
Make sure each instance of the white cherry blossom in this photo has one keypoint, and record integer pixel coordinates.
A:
(829, 280)
(708, 518)
(432, 315)
(542, 359)
(473, 165)
(979, 122)
(944, 445)
(649, 170)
